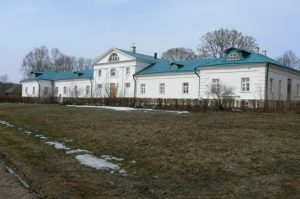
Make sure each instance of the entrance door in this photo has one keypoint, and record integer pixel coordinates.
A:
(112, 90)
(289, 89)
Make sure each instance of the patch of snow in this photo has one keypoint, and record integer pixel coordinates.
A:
(116, 108)
(120, 108)
(77, 151)
(6, 123)
(58, 145)
(132, 162)
(41, 137)
(27, 132)
(97, 163)
(110, 157)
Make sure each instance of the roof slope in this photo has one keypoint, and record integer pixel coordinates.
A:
(164, 66)
(52, 75)
(140, 56)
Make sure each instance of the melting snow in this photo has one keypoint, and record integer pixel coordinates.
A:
(6, 123)
(110, 157)
(97, 163)
(27, 132)
(77, 151)
(58, 145)
(119, 108)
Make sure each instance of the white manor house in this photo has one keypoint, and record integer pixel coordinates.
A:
(122, 73)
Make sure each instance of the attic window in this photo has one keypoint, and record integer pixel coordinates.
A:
(174, 67)
(233, 56)
(113, 57)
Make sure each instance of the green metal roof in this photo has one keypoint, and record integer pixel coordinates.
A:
(140, 56)
(247, 57)
(51, 75)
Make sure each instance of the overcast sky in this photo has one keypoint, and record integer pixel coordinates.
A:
(89, 27)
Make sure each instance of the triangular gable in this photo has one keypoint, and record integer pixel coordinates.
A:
(105, 57)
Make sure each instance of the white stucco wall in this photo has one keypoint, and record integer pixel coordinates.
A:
(70, 88)
(120, 79)
(39, 87)
(231, 77)
(173, 85)
(278, 73)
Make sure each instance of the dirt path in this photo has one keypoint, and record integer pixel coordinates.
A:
(10, 186)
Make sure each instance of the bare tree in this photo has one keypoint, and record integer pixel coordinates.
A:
(39, 60)
(290, 59)
(221, 92)
(213, 44)
(36, 60)
(179, 54)
(3, 78)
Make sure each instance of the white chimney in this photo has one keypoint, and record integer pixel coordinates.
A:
(256, 50)
(133, 49)
(264, 53)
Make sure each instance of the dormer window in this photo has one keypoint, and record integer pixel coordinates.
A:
(233, 56)
(113, 57)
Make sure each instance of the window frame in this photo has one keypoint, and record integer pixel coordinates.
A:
(142, 89)
(46, 90)
(185, 88)
(233, 56)
(127, 71)
(65, 90)
(113, 57)
(115, 72)
(126, 85)
(87, 89)
(245, 84)
(100, 73)
(162, 88)
(215, 83)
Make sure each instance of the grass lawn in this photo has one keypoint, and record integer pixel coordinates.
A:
(196, 155)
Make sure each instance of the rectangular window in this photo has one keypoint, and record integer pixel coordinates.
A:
(46, 91)
(99, 86)
(271, 85)
(76, 90)
(33, 90)
(56, 91)
(216, 84)
(87, 90)
(113, 72)
(65, 90)
(298, 90)
(99, 73)
(185, 88)
(26, 90)
(127, 71)
(279, 86)
(127, 85)
(162, 88)
(245, 84)
(143, 88)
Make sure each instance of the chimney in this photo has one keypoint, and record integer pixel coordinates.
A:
(264, 53)
(133, 49)
(256, 50)
(155, 55)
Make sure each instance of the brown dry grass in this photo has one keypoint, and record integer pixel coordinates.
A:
(198, 155)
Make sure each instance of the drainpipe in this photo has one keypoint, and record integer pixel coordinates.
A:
(267, 82)
(195, 71)
(39, 86)
(134, 94)
(91, 87)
